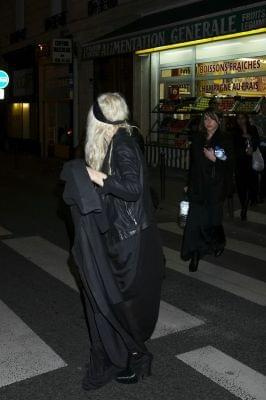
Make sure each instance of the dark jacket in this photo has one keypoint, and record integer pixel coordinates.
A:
(126, 191)
(210, 182)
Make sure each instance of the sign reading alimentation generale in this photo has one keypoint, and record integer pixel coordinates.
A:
(223, 24)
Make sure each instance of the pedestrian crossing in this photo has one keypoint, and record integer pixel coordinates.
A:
(237, 378)
(26, 355)
(254, 216)
(245, 248)
(23, 353)
(4, 231)
(54, 260)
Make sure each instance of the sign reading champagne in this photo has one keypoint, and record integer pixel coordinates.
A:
(255, 85)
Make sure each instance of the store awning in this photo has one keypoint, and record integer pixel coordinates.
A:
(196, 21)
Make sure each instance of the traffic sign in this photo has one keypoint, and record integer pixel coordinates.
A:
(4, 79)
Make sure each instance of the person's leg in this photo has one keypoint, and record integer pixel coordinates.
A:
(242, 191)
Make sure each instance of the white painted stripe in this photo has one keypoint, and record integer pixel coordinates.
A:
(172, 320)
(253, 216)
(45, 255)
(245, 248)
(53, 260)
(23, 353)
(225, 279)
(4, 231)
(232, 375)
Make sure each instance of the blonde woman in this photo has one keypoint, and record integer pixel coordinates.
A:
(123, 295)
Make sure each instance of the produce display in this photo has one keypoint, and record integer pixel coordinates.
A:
(175, 132)
(247, 105)
(226, 104)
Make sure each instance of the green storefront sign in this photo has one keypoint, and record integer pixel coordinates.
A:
(222, 24)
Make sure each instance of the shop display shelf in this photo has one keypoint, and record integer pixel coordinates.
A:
(247, 105)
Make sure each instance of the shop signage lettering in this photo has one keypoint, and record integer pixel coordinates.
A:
(205, 28)
(251, 85)
(231, 67)
(62, 51)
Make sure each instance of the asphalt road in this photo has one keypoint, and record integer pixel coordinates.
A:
(209, 343)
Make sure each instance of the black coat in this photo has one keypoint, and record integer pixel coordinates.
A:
(126, 191)
(210, 182)
(110, 342)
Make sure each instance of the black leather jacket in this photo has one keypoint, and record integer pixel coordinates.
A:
(126, 191)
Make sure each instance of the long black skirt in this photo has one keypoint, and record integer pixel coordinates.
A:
(138, 264)
(138, 267)
(204, 231)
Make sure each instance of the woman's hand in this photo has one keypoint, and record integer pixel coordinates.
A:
(209, 153)
(249, 151)
(96, 176)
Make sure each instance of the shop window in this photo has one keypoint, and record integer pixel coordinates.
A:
(229, 49)
(19, 123)
(98, 6)
(245, 76)
(20, 32)
(58, 15)
(58, 7)
(20, 15)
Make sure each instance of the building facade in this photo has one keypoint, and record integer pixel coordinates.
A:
(51, 88)
(60, 54)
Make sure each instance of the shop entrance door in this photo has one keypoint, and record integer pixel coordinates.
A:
(58, 128)
(114, 74)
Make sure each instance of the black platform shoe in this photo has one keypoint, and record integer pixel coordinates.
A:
(194, 262)
(127, 377)
(139, 366)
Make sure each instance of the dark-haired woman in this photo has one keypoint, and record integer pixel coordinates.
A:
(208, 184)
(246, 141)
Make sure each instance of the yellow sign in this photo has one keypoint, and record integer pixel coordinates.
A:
(231, 67)
(255, 86)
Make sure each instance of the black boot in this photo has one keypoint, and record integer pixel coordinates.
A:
(194, 262)
(139, 366)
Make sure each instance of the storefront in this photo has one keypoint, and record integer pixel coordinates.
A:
(180, 69)
(20, 103)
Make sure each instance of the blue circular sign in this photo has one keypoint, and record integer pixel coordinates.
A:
(4, 79)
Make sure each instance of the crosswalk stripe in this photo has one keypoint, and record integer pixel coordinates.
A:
(225, 279)
(53, 260)
(254, 216)
(23, 353)
(245, 248)
(45, 255)
(232, 375)
(4, 231)
(173, 320)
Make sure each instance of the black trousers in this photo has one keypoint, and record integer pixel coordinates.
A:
(247, 184)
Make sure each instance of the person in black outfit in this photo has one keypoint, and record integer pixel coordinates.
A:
(116, 166)
(246, 141)
(209, 179)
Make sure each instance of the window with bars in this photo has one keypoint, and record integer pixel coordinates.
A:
(99, 6)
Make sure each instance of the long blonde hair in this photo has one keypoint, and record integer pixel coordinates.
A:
(99, 134)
